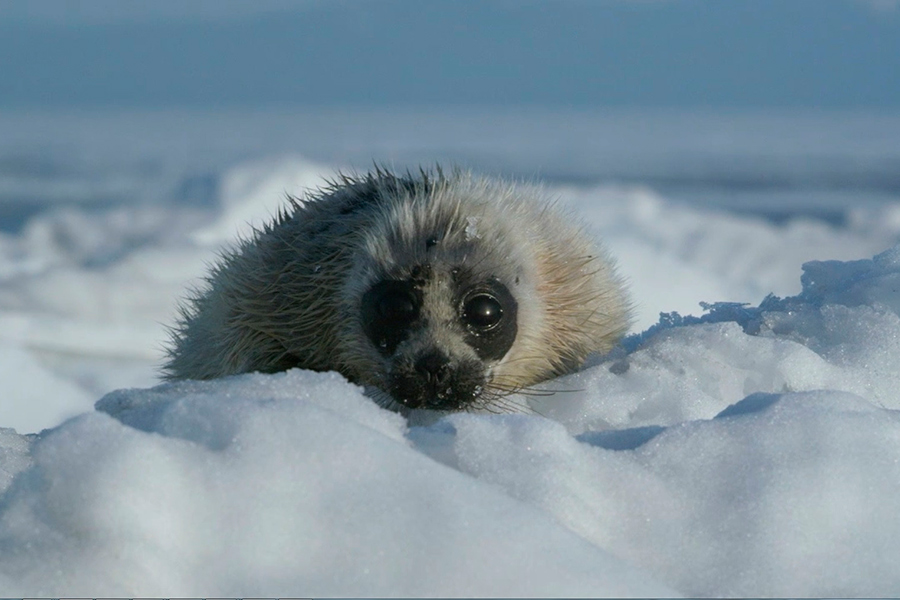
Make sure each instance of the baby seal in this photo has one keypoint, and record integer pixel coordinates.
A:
(442, 291)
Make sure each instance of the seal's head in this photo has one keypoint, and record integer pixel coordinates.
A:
(438, 331)
(450, 301)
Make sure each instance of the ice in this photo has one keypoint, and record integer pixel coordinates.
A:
(748, 451)
(33, 396)
(251, 195)
(678, 252)
(291, 484)
(743, 441)
(842, 332)
(472, 228)
(791, 496)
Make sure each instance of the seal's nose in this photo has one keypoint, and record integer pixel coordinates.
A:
(435, 381)
(434, 368)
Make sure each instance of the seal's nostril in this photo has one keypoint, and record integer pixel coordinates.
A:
(434, 367)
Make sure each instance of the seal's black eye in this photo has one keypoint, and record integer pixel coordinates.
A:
(388, 310)
(398, 306)
(487, 314)
(482, 311)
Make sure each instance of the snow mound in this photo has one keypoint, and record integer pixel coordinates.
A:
(675, 255)
(291, 484)
(780, 495)
(842, 332)
(748, 451)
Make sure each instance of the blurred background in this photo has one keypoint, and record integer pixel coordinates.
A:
(755, 105)
(715, 146)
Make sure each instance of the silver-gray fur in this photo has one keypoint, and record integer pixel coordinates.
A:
(435, 290)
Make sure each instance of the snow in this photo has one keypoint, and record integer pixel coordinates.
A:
(745, 447)
(273, 485)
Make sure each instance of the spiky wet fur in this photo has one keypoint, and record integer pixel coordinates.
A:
(290, 295)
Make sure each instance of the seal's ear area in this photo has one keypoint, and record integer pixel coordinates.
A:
(485, 273)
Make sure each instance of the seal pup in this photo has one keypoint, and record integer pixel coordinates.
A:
(442, 291)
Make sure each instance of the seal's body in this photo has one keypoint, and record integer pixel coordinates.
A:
(440, 291)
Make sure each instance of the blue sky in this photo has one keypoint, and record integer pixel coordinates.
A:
(635, 53)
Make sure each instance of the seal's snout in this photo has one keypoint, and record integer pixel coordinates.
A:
(436, 382)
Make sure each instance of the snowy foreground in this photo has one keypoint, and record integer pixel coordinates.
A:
(751, 450)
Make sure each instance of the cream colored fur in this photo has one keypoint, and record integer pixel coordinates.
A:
(290, 295)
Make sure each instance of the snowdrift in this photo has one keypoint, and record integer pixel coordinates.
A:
(749, 451)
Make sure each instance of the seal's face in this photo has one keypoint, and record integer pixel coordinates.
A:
(439, 333)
